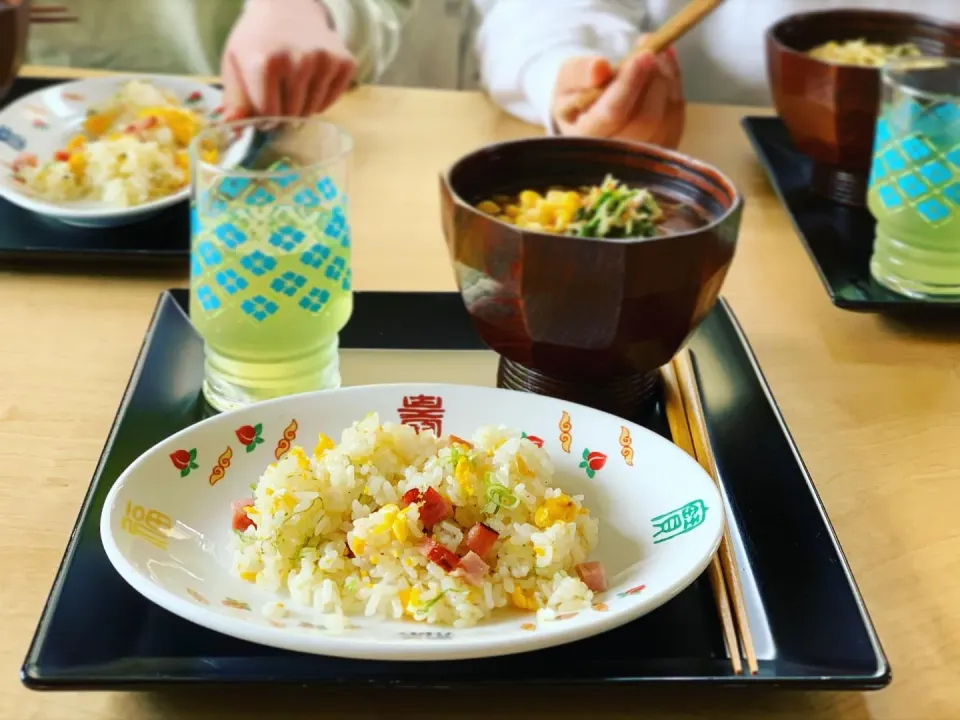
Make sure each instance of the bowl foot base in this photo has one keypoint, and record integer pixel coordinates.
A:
(839, 186)
(626, 397)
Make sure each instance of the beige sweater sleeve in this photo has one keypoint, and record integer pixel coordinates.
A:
(372, 30)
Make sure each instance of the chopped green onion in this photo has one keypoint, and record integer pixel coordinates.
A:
(499, 496)
(426, 607)
(253, 486)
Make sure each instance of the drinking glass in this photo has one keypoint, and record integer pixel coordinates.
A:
(914, 191)
(270, 285)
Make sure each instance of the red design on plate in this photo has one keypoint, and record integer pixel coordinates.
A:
(566, 427)
(423, 412)
(184, 461)
(249, 436)
(632, 591)
(534, 439)
(592, 462)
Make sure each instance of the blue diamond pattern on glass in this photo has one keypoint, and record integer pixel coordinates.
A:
(933, 210)
(306, 198)
(259, 197)
(315, 256)
(915, 148)
(259, 308)
(195, 267)
(877, 171)
(347, 280)
(883, 135)
(954, 157)
(345, 239)
(335, 268)
(913, 186)
(258, 263)
(315, 299)
(947, 113)
(286, 238)
(327, 188)
(230, 281)
(952, 193)
(336, 224)
(208, 301)
(232, 187)
(230, 235)
(906, 114)
(283, 181)
(208, 253)
(894, 160)
(288, 283)
(935, 173)
(889, 197)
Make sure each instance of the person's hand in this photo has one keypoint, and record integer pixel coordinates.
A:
(641, 102)
(283, 57)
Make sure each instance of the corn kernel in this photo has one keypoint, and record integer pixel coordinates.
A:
(77, 164)
(489, 207)
(323, 444)
(511, 211)
(521, 601)
(76, 142)
(572, 201)
(464, 475)
(529, 199)
(400, 528)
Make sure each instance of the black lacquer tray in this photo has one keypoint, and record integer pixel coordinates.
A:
(25, 237)
(839, 239)
(809, 623)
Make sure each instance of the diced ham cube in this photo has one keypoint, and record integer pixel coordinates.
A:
(593, 575)
(434, 508)
(241, 521)
(437, 553)
(480, 539)
(473, 568)
(411, 496)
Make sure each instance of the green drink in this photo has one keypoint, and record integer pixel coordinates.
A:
(270, 258)
(914, 191)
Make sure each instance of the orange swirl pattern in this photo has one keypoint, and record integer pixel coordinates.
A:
(289, 435)
(626, 446)
(565, 427)
(220, 469)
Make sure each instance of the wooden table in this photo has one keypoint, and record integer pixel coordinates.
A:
(873, 404)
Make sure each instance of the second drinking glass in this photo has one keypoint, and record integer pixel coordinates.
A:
(270, 280)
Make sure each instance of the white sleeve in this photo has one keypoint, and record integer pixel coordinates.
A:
(521, 44)
(371, 29)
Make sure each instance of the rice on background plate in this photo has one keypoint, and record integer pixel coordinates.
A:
(337, 530)
(351, 529)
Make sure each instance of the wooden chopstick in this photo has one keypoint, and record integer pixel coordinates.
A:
(660, 39)
(680, 432)
(49, 14)
(690, 391)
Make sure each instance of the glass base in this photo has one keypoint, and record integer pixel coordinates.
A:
(230, 383)
(909, 269)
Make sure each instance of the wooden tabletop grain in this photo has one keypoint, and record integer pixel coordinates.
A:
(874, 405)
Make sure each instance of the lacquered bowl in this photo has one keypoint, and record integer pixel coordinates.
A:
(831, 110)
(14, 24)
(585, 319)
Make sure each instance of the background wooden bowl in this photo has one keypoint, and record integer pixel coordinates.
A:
(831, 110)
(14, 23)
(581, 311)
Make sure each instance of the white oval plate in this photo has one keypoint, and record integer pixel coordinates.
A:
(166, 522)
(42, 122)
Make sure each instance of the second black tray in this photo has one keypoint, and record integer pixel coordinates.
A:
(839, 239)
(810, 626)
